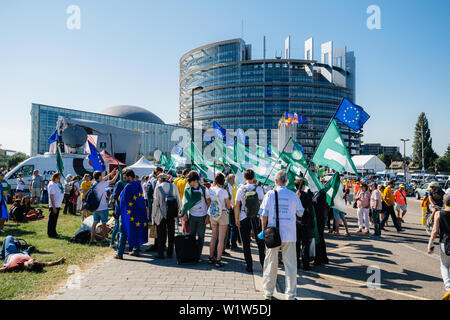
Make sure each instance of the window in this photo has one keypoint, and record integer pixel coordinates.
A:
(27, 171)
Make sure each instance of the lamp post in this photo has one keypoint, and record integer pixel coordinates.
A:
(423, 157)
(192, 115)
(404, 157)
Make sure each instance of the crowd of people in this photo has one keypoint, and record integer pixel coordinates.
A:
(236, 214)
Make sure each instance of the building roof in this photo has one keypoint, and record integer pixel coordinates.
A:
(396, 164)
(132, 113)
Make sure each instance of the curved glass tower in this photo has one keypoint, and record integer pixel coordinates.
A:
(239, 92)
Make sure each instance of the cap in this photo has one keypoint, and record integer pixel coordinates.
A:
(434, 184)
(402, 185)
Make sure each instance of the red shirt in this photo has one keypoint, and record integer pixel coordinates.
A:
(18, 263)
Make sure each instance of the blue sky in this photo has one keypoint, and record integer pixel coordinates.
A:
(127, 52)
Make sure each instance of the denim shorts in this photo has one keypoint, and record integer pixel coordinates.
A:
(400, 207)
(338, 215)
(101, 216)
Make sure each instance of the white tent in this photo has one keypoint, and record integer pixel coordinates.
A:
(143, 167)
(368, 164)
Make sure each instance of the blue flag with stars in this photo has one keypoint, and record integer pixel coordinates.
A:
(351, 115)
(54, 137)
(96, 159)
(134, 214)
(219, 132)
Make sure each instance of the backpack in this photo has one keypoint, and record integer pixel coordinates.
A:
(82, 237)
(251, 202)
(170, 203)
(215, 209)
(150, 191)
(16, 213)
(21, 244)
(91, 202)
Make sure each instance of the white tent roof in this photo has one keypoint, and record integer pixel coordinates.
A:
(368, 163)
(142, 167)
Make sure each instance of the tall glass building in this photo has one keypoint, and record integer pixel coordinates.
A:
(239, 92)
(156, 135)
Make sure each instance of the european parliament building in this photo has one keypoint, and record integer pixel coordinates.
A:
(239, 92)
(155, 134)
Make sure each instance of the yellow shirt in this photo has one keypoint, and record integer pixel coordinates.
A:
(388, 196)
(85, 186)
(181, 185)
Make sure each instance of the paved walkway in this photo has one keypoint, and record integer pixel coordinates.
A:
(146, 278)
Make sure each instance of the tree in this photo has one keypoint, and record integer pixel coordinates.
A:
(429, 155)
(15, 159)
(397, 156)
(386, 158)
(3, 162)
(443, 163)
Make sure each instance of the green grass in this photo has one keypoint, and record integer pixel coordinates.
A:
(29, 285)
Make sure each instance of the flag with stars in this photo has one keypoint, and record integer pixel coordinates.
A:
(134, 214)
(96, 159)
(351, 115)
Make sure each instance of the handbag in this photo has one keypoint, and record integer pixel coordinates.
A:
(153, 232)
(272, 236)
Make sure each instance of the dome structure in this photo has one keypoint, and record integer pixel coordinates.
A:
(132, 113)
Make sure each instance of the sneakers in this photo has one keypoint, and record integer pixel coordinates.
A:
(366, 232)
(359, 230)
(268, 298)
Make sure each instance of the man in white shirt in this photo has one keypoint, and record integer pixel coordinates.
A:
(289, 206)
(245, 223)
(56, 197)
(102, 212)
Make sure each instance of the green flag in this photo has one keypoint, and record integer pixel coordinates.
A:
(312, 181)
(335, 193)
(332, 152)
(59, 162)
(205, 167)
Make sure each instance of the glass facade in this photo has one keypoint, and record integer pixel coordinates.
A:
(44, 119)
(253, 94)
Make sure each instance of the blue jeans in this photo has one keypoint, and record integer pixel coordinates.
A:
(115, 232)
(122, 239)
(9, 247)
(234, 232)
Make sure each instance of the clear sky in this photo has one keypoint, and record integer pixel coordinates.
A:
(127, 52)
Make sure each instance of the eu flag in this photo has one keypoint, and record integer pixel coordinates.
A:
(54, 137)
(351, 115)
(3, 205)
(96, 159)
(219, 132)
(134, 214)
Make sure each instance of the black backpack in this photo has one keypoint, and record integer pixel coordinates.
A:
(150, 191)
(171, 203)
(91, 202)
(83, 237)
(251, 202)
(21, 244)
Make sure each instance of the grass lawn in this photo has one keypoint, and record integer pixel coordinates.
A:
(28, 285)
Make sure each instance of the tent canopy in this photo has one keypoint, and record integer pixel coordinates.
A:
(368, 163)
(142, 167)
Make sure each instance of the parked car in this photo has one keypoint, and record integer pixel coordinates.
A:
(420, 191)
(447, 186)
(410, 191)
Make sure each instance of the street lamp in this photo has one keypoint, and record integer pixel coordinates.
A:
(404, 157)
(192, 118)
(192, 109)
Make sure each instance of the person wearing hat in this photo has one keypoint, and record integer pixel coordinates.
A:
(441, 228)
(400, 202)
(436, 196)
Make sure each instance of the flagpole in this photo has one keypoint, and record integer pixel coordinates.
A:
(279, 156)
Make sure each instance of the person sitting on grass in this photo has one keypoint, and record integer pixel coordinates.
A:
(16, 260)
